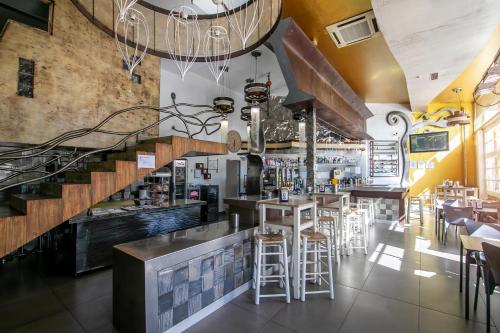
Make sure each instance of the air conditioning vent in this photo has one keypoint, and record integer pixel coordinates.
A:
(354, 29)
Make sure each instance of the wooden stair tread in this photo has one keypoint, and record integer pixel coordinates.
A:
(31, 196)
(8, 211)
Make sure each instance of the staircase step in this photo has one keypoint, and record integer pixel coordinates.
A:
(104, 166)
(20, 201)
(77, 177)
(9, 211)
(52, 189)
(163, 139)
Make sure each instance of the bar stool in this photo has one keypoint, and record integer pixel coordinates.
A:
(357, 231)
(320, 244)
(277, 243)
(369, 205)
(327, 224)
(420, 201)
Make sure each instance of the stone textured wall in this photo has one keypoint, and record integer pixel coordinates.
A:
(78, 82)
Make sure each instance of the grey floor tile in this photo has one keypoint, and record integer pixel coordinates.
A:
(353, 270)
(107, 328)
(438, 322)
(61, 322)
(399, 283)
(272, 327)
(85, 288)
(374, 314)
(28, 309)
(318, 313)
(441, 293)
(441, 262)
(95, 313)
(267, 308)
(228, 319)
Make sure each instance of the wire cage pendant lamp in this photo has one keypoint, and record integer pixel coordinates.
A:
(244, 19)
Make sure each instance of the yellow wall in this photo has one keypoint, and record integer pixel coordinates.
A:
(447, 164)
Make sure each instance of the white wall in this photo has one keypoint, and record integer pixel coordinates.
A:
(379, 129)
(196, 89)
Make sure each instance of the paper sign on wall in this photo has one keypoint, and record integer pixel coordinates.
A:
(430, 165)
(146, 161)
(421, 164)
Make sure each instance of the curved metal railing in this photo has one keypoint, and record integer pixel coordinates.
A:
(203, 120)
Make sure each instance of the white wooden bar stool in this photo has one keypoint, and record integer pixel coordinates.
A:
(328, 225)
(369, 205)
(316, 244)
(277, 243)
(416, 200)
(357, 231)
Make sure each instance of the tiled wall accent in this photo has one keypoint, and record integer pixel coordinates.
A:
(188, 287)
(387, 209)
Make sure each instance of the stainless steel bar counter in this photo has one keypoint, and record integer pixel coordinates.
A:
(169, 282)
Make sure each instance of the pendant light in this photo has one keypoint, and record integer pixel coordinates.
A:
(131, 26)
(459, 117)
(244, 19)
(182, 35)
(224, 104)
(217, 47)
(255, 92)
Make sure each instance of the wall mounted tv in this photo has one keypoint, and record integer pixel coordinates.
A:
(428, 142)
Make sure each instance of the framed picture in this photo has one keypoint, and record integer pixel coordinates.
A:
(200, 166)
(197, 173)
(430, 165)
(429, 142)
(204, 171)
(213, 165)
(207, 176)
(421, 164)
(413, 164)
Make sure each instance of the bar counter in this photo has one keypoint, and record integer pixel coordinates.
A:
(96, 235)
(170, 282)
(389, 200)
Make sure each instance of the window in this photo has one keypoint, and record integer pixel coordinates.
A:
(492, 159)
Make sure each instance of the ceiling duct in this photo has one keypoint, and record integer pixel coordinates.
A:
(354, 29)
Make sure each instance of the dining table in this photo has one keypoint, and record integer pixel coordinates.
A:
(478, 233)
(297, 205)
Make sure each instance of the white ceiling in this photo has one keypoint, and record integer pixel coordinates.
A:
(201, 6)
(243, 67)
(428, 36)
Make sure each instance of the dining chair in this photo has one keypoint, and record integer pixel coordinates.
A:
(455, 216)
(491, 273)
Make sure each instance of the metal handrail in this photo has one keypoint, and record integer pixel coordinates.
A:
(171, 111)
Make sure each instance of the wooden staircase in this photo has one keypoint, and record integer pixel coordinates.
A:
(30, 215)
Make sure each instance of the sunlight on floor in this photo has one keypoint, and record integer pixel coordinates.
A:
(387, 256)
(422, 245)
(426, 274)
(395, 226)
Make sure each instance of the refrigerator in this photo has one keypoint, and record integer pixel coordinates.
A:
(178, 185)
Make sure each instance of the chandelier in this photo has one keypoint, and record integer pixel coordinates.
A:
(182, 35)
(458, 117)
(255, 92)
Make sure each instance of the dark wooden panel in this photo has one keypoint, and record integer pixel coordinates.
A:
(163, 154)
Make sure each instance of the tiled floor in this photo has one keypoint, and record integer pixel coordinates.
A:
(407, 283)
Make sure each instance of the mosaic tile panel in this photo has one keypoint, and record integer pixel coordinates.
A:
(387, 209)
(186, 288)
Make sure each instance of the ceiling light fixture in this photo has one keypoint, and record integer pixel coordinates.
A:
(130, 26)
(255, 92)
(182, 35)
(458, 117)
(243, 19)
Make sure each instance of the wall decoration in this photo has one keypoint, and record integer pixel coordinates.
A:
(199, 165)
(430, 165)
(26, 74)
(197, 173)
(413, 164)
(421, 164)
(146, 161)
(213, 165)
(207, 176)
(136, 78)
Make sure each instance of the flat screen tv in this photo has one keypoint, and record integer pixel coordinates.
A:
(428, 142)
